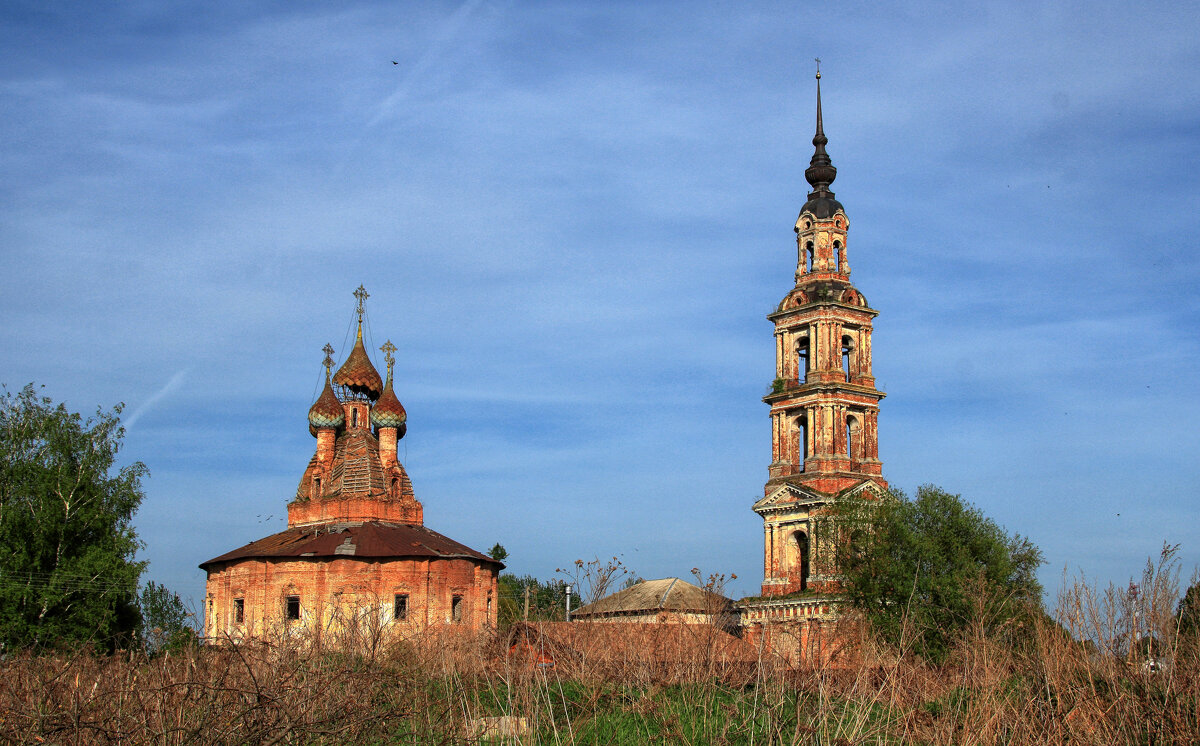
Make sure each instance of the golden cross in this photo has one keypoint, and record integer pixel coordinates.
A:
(361, 294)
(388, 348)
(328, 350)
(818, 61)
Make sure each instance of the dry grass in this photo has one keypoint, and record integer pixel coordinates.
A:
(452, 688)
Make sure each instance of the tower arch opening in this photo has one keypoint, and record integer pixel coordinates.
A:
(801, 430)
(853, 439)
(802, 359)
(848, 356)
(801, 564)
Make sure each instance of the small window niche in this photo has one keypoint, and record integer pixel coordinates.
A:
(291, 611)
(456, 609)
(400, 607)
(239, 611)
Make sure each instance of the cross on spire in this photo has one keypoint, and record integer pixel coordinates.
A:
(328, 362)
(361, 294)
(389, 348)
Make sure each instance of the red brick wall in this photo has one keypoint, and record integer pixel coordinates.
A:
(333, 591)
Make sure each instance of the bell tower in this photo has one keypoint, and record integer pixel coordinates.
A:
(824, 404)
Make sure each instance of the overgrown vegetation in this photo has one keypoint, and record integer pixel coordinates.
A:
(1077, 680)
(924, 569)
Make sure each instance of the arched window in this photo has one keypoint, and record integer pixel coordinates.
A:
(802, 551)
(851, 437)
(354, 417)
(847, 355)
(809, 257)
(801, 441)
(802, 360)
(316, 493)
(837, 256)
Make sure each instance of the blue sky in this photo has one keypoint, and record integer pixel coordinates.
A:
(573, 219)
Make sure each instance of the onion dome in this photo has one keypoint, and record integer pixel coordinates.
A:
(388, 411)
(358, 374)
(820, 172)
(327, 410)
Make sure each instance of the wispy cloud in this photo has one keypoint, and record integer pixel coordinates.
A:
(171, 385)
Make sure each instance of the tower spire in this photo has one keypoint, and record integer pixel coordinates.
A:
(820, 172)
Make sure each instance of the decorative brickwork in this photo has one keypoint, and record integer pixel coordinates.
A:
(824, 419)
(356, 558)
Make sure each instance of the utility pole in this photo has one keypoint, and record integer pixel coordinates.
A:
(568, 603)
(526, 604)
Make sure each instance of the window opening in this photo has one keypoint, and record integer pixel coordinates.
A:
(239, 610)
(837, 255)
(809, 256)
(851, 428)
(354, 417)
(847, 355)
(400, 607)
(802, 360)
(456, 603)
(801, 539)
(292, 609)
(802, 441)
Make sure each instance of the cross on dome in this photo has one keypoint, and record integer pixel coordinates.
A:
(328, 361)
(388, 356)
(361, 294)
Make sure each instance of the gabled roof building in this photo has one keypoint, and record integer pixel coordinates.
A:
(356, 557)
(664, 600)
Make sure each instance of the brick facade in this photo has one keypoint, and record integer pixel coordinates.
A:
(356, 558)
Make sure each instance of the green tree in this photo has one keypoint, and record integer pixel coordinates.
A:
(1187, 614)
(164, 620)
(67, 544)
(547, 599)
(924, 569)
(498, 552)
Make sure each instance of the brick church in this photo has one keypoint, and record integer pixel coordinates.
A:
(356, 557)
(824, 417)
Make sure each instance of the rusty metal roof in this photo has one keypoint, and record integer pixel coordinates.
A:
(370, 540)
(667, 594)
(358, 373)
(388, 411)
(326, 411)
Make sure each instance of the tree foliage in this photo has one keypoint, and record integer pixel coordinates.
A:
(164, 620)
(1187, 613)
(67, 544)
(923, 569)
(547, 599)
(498, 552)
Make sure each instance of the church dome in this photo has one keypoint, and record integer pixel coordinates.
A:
(358, 374)
(388, 411)
(326, 411)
